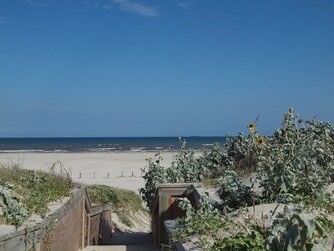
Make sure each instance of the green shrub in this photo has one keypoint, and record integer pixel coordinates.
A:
(215, 231)
(185, 167)
(12, 210)
(297, 161)
(295, 230)
(154, 174)
(206, 220)
(242, 241)
(234, 193)
(214, 160)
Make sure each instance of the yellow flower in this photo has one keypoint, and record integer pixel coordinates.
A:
(251, 127)
(260, 141)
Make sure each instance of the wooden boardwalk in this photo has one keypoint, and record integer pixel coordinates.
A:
(142, 247)
(126, 241)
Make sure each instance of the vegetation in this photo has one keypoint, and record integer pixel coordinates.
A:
(205, 220)
(293, 229)
(24, 192)
(294, 165)
(215, 231)
(154, 175)
(124, 202)
(185, 168)
(12, 210)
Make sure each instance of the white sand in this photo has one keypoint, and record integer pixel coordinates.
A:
(83, 166)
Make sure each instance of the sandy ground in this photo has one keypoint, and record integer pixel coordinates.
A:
(118, 169)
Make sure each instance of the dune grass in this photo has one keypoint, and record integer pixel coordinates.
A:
(124, 202)
(24, 192)
(32, 190)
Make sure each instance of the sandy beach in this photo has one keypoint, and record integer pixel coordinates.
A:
(117, 169)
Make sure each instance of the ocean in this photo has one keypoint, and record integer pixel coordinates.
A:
(104, 144)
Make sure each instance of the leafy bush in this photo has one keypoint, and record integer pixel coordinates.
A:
(243, 151)
(214, 160)
(234, 193)
(293, 165)
(295, 230)
(12, 210)
(205, 220)
(155, 174)
(242, 241)
(297, 161)
(185, 167)
(215, 231)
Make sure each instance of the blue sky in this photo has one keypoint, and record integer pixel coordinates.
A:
(162, 67)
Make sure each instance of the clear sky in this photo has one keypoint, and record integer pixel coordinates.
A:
(162, 67)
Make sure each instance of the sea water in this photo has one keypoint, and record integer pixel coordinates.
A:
(104, 144)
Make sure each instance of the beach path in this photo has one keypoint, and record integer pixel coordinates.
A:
(124, 241)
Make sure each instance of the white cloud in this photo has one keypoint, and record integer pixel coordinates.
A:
(107, 5)
(137, 8)
(185, 3)
(38, 3)
(4, 20)
(124, 5)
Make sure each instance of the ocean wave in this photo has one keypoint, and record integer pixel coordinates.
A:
(32, 151)
(137, 149)
(59, 151)
(100, 149)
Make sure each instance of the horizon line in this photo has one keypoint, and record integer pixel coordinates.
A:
(193, 136)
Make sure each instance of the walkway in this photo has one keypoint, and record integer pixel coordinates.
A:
(124, 241)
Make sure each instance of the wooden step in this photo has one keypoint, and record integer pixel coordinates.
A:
(142, 247)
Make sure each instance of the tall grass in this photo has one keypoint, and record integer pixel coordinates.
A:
(35, 189)
(124, 202)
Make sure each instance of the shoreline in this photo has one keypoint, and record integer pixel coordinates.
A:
(97, 151)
